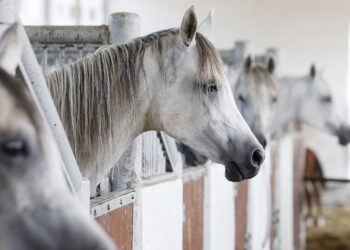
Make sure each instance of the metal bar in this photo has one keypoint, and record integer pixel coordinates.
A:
(172, 154)
(326, 179)
(68, 34)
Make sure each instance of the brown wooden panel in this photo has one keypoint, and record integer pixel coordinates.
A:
(241, 206)
(119, 226)
(193, 221)
(298, 190)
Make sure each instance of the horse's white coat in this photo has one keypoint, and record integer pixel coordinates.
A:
(256, 95)
(170, 94)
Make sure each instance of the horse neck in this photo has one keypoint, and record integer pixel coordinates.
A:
(98, 149)
(291, 91)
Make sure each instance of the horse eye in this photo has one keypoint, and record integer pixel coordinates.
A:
(326, 99)
(241, 99)
(14, 148)
(212, 88)
(274, 99)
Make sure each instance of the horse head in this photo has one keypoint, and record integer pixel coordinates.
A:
(256, 96)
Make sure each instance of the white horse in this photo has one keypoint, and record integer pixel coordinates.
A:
(308, 100)
(171, 81)
(256, 95)
(37, 210)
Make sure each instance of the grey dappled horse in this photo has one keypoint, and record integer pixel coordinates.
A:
(171, 81)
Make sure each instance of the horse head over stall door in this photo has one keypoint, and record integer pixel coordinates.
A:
(308, 100)
(157, 82)
(256, 95)
(37, 209)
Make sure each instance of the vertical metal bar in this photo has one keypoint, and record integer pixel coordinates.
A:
(44, 59)
(61, 54)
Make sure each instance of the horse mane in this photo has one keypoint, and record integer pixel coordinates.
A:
(92, 92)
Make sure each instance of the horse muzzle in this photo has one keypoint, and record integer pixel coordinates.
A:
(343, 134)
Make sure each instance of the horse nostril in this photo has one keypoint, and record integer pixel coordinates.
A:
(257, 158)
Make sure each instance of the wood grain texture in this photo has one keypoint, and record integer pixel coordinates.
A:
(193, 215)
(241, 206)
(298, 190)
(119, 226)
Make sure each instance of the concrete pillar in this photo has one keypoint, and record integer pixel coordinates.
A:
(123, 27)
(240, 52)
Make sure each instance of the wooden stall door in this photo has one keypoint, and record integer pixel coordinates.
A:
(119, 226)
(241, 206)
(193, 214)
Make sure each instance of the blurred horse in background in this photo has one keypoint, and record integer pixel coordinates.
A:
(307, 100)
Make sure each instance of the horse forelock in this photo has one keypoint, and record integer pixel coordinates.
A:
(210, 63)
(92, 92)
(21, 96)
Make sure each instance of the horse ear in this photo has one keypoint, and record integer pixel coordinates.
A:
(206, 24)
(188, 26)
(313, 71)
(10, 48)
(271, 65)
(247, 64)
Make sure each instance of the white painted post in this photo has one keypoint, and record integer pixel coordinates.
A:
(123, 27)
